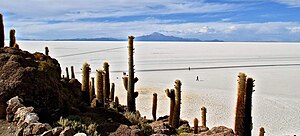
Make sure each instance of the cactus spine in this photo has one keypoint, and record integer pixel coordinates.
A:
(46, 51)
(112, 93)
(106, 84)
(261, 131)
(67, 73)
(171, 95)
(12, 37)
(154, 106)
(131, 95)
(2, 36)
(92, 89)
(248, 106)
(203, 116)
(99, 85)
(176, 116)
(85, 82)
(195, 126)
(72, 72)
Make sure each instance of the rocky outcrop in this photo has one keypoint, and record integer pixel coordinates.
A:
(215, 131)
(36, 79)
(125, 130)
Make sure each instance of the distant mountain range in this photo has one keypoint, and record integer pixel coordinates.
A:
(152, 37)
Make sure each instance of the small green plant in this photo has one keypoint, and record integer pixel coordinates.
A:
(134, 118)
(147, 129)
(79, 124)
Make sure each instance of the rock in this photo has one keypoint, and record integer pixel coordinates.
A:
(67, 132)
(21, 114)
(47, 133)
(125, 130)
(218, 131)
(159, 127)
(36, 129)
(80, 134)
(57, 130)
(35, 78)
(13, 105)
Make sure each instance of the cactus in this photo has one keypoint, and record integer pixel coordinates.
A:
(92, 89)
(99, 85)
(171, 95)
(176, 116)
(106, 84)
(154, 106)
(72, 72)
(67, 73)
(2, 36)
(240, 107)
(203, 116)
(12, 37)
(248, 107)
(112, 92)
(262, 131)
(46, 51)
(131, 95)
(85, 82)
(195, 126)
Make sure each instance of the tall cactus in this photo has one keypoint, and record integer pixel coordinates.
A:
(106, 83)
(67, 73)
(12, 38)
(154, 106)
(171, 95)
(131, 95)
(2, 35)
(99, 86)
(239, 126)
(176, 116)
(203, 116)
(262, 131)
(72, 72)
(195, 126)
(92, 89)
(112, 92)
(248, 107)
(85, 82)
(46, 51)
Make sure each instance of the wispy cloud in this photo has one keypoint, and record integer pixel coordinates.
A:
(291, 3)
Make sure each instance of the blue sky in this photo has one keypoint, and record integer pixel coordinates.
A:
(229, 20)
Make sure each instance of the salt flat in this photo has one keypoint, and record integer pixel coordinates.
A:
(276, 101)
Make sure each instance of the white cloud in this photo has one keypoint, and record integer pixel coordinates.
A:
(78, 9)
(291, 3)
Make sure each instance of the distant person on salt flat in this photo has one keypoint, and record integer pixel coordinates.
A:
(197, 78)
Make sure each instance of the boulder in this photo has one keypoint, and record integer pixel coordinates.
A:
(35, 78)
(36, 129)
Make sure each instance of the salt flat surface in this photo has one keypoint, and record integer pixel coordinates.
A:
(276, 101)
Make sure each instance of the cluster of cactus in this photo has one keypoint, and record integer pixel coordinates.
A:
(154, 106)
(129, 81)
(2, 36)
(243, 118)
(85, 88)
(103, 94)
(175, 97)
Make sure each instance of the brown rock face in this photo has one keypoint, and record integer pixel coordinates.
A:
(35, 78)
